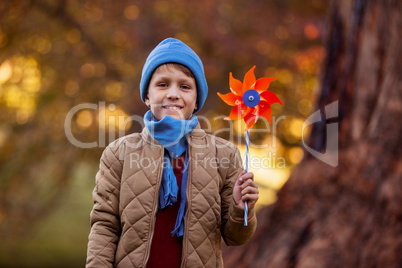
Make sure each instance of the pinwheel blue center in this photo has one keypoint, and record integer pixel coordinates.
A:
(251, 98)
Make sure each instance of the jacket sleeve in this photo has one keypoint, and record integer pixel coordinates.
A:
(233, 230)
(104, 217)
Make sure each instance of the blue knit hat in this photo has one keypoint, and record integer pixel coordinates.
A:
(172, 50)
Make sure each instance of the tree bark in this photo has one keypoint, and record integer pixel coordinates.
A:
(349, 215)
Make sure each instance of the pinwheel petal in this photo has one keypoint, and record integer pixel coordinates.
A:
(249, 80)
(264, 110)
(262, 84)
(235, 85)
(230, 99)
(270, 97)
(250, 118)
(236, 113)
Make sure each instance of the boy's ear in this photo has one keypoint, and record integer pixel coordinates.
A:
(147, 102)
(196, 106)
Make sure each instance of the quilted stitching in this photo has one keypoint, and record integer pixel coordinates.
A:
(203, 219)
(104, 209)
(138, 186)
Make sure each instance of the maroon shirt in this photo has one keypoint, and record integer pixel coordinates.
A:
(165, 248)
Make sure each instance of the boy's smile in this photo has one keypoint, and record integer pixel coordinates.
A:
(172, 107)
(171, 92)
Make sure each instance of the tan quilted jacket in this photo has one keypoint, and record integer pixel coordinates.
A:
(126, 202)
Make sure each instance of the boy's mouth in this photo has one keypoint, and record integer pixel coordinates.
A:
(172, 107)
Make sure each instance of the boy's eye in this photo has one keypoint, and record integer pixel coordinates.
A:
(185, 87)
(162, 85)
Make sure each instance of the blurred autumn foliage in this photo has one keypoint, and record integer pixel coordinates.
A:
(56, 55)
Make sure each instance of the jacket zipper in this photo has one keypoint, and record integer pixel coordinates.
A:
(184, 247)
(153, 220)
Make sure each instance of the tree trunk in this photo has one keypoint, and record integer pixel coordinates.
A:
(349, 215)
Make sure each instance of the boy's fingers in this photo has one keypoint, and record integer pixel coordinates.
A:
(249, 183)
(239, 180)
(250, 190)
(242, 173)
(250, 198)
(246, 176)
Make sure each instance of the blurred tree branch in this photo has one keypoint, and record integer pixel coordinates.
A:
(59, 13)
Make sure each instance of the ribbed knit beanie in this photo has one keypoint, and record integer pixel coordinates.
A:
(172, 50)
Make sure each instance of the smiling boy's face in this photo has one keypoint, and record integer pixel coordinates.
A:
(171, 92)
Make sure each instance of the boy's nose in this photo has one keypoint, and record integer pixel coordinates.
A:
(173, 92)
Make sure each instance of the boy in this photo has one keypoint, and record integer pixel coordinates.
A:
(165, 197)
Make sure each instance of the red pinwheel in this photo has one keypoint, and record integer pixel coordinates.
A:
(250, 99)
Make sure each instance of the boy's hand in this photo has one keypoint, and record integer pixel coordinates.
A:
(245, 189)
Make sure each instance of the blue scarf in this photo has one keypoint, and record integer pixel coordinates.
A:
(171, 133)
